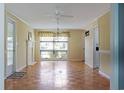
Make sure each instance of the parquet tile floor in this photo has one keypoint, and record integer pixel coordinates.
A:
(59, 75)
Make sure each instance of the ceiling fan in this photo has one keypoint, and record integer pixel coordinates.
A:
(59, 13)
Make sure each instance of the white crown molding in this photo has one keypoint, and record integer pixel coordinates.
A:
(9, 11)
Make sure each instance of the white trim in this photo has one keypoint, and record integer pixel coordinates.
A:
(114, 40)
(105, 51)
(2, 32)
(91, 66)
(18, 17)
(33, 63)
(105, 75)
(21, 68)
(81, 60)
(54, 60)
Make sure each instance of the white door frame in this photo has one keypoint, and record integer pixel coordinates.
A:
(96, 54)
(1, 46)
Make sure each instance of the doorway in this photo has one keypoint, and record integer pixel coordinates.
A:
(92, 56)
(10, 47)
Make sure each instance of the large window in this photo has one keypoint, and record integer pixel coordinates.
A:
(52, 48)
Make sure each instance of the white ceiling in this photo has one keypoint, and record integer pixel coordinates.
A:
(35, 14)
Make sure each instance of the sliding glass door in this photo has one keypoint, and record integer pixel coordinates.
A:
(10, 47)
(54, 48)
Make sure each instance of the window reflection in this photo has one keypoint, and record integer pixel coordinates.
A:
(54, 73)
(61, 78)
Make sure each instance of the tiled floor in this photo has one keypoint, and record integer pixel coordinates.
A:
(57, 75)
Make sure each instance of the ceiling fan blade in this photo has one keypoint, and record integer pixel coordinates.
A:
(66, 16)
(53, 16)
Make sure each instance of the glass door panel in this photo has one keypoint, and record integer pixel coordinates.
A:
(46, 55)
(61, 38)
(10, 50)
(10, 47)
(53, 48)
(46, 38)
(61, 55)
(46, 45)
(61, 45)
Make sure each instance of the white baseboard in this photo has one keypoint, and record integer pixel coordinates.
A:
(19, 69)
(105, 75)
(80, 60)
(89, 65)
(33, 63)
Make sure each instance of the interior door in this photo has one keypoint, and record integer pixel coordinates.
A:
(96, 55)
(10, 46)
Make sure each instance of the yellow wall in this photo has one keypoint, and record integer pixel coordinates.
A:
(104, 28)
(104, 40)
(75, 45)
(21, 37)
(37, 46)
